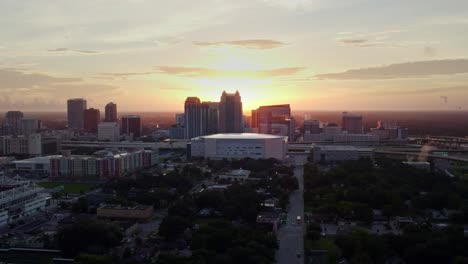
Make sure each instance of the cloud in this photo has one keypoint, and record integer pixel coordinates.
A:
(25, 90)
(124, 74)
(402, 70)
(246, 43)
(364, 40)
(361, 43)
(214, 73)
(66, 50)
(15, 78)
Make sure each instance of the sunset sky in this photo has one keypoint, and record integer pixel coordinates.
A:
(315, 55)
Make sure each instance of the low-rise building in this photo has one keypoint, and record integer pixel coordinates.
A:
(109, 131)
(339, 153)
(342, 138)
(21, 145)
(103, 164)
(19, 198)
(237, 175)
(117, 212)
(238, 146)
(269, 219)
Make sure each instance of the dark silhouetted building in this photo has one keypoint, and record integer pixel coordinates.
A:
(230, 113)
(131, 125)
(312, 127)
(92, 118)
(352, 123)
(274, 120)
(75, 113)
(110, 113)
(13, 122)
(212, 113)
(195, 118)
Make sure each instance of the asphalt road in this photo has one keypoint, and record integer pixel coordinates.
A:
(291, 234)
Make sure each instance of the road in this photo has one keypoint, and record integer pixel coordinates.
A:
(291, 235)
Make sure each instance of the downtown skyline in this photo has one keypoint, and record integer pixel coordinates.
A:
(315, 55)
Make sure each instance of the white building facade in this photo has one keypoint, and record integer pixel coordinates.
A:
(239, 145)
(109, 131)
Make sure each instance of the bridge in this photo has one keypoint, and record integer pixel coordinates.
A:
(125, 144)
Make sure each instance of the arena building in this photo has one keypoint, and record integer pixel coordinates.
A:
(238, 146)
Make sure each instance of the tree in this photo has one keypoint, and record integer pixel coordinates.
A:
(93, 259)
(172, 227)
(95, 237)
(80, 206)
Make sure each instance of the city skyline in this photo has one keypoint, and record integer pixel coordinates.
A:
(317, 54)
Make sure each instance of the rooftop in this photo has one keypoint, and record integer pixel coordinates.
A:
(242, 136)
(44, 159)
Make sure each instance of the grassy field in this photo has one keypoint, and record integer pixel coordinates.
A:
(72, 188)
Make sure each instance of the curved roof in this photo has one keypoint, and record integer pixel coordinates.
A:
(242, 136)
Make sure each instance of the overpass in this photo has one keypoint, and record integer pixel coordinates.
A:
(125, 144)
(423, 155)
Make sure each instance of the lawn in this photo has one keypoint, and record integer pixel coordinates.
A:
(72, 188)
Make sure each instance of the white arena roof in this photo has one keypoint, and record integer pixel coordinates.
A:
(242, 136)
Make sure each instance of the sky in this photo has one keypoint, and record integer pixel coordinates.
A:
(313, 54)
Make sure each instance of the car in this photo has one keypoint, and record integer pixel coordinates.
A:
(299, 219)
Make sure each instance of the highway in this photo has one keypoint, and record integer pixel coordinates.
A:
(291, 234)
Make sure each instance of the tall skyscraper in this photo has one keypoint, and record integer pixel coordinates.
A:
(131, 125)
(110, 113)
(195, 118)
(230, 113)
(75, 113)
(274, 119)
(352, 123)
(13, 122)
(212, 115)
(92, 118)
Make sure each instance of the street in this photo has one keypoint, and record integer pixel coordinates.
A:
(291, 234)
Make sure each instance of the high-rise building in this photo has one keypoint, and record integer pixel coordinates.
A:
(92, 118)
(253, 119)
(75, 113)
(110, 113)
(275, 120)
(352, 123)
(13, 121)
(180, 119)
(131, 125)
(212, 115)
(230, 113)
(109, 131)
(195, 118)
(30, 126)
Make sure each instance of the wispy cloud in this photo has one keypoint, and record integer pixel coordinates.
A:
(124, 74)
(27, 90)
(365, 40)
(67, 50)
(245, 43)
(214, 73)
(402, 70)
(15, 78)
